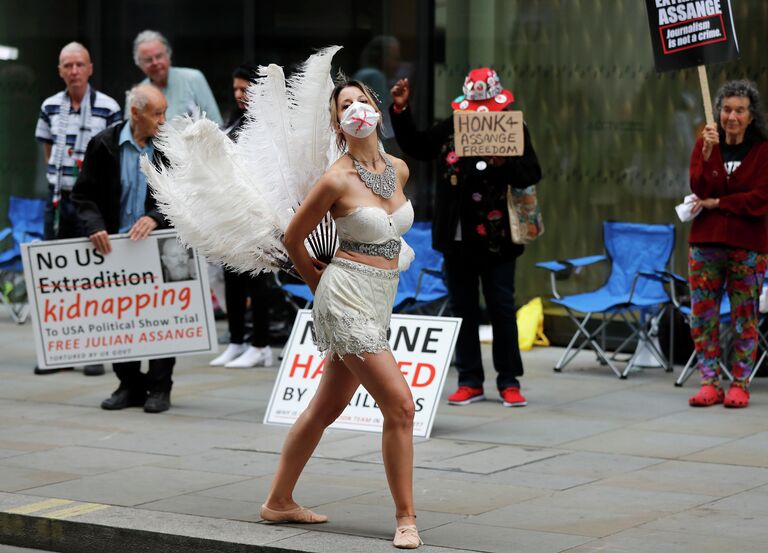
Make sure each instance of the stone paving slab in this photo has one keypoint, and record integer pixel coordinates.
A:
(501, 539)
(593, 464)
(689, 477)
(449, 495)
(643, 540)
(314, 491)
(664, 445)
(14, 479)
(592, 522)
(533, 430)
(80, 460)
(751, 450)
(134, 486)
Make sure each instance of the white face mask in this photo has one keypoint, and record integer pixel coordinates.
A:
(359, 119)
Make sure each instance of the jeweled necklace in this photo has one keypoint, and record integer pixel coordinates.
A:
(384, 183)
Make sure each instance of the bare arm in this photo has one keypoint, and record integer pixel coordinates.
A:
(317, 203)
(47, 151)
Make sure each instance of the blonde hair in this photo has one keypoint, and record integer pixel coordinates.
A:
(341, 142)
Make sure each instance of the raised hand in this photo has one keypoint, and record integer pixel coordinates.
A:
(400, 93)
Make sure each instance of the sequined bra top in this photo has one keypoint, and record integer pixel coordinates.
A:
(371, 230)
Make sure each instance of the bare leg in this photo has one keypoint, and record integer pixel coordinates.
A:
(337, 385)
(381, 377)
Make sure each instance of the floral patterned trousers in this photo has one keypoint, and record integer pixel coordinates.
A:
(713, 270)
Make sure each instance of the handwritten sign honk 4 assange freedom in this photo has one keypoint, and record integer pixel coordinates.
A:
(488, 133)
(146, 299)
(423, 349)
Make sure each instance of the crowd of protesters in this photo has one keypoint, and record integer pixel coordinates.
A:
(92, 150)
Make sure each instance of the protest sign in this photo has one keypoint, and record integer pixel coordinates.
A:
(687, 33)
(146, 299)
(690, 33)
(488, 133)
(423, 347)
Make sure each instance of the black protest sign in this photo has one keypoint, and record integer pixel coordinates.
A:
(688, 33)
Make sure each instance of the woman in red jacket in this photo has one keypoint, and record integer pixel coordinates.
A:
(729, 238)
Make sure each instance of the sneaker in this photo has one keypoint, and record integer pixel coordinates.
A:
(511, 397)
(157, 402)
(737, 397)
(252, 357)
(466, 395)
(232, 352)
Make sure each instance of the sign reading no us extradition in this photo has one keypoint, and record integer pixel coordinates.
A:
(488, 133)
(689, 33)
(146, 299)
(422, 346)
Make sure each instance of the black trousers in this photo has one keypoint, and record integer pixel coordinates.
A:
(465, 271)
(157, 379)
(239, 287)
(69, 224)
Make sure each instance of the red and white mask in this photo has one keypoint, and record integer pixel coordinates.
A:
(359, 119)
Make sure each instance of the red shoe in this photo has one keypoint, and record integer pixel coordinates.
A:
(511, 397)
(466, 395)
(709, 394)
(737, 397)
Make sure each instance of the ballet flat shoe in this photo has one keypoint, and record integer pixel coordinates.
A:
(299, 515)
(407, 537)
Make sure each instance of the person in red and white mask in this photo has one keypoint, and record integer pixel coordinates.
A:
(471, 228)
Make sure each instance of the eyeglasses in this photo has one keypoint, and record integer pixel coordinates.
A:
(149, 59)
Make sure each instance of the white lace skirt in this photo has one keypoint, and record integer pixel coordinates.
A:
(353, 306)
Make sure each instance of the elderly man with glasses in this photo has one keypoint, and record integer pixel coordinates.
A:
(185, 89)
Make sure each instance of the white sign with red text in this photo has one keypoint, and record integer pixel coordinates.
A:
(423, 347)
(146, 299)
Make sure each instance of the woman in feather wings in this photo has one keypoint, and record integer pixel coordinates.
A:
(270, 225)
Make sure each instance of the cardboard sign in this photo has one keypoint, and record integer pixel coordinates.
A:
(687, 33)
(488, 133)
(422, 346)
(146, 299)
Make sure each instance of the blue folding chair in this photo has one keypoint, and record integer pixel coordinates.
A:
(299, 295)
(27, 216)
(633, 292)
(422, 287)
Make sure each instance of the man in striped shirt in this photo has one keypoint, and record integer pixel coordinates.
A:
(66, 124)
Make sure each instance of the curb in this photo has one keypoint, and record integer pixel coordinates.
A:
(75, 527)
(67, 536)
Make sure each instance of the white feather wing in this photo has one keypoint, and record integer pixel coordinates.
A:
(309, 89)
(233, 202)
(210, 199)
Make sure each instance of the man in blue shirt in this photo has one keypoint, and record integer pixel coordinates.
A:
(185, 89)
(112, 196)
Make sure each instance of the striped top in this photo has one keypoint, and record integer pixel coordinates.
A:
(105, 112)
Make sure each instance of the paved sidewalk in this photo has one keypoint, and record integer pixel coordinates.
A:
(593, 464)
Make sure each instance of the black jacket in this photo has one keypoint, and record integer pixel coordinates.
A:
(97, 190)
(466, 193)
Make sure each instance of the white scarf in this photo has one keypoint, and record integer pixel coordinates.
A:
(83, 136)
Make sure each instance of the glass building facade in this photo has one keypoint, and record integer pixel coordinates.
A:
(613, 137)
